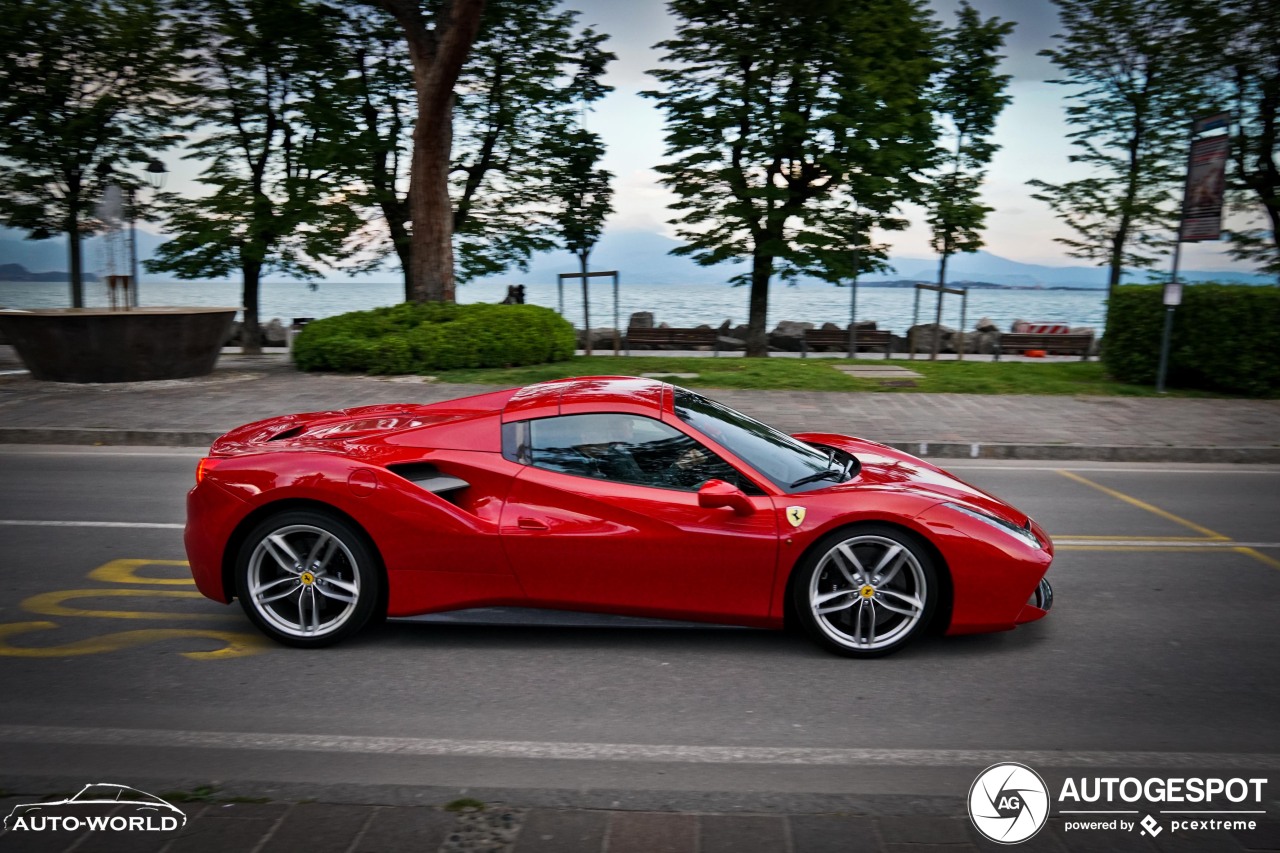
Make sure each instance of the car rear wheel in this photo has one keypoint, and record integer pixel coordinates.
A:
(307, 579)
(866, 591)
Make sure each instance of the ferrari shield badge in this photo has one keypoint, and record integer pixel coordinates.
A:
(795, 515)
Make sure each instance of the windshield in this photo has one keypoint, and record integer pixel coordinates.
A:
(789, 464)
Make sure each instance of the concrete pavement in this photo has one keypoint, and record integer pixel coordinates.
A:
(219, 827)
(193, 412)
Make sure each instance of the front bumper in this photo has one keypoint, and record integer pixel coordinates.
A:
(1039, 605)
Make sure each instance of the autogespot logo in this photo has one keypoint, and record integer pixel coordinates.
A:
(1008, 803)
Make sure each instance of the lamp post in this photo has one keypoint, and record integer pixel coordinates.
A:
(156, 173)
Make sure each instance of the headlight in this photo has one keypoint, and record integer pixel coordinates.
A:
(1000, 524)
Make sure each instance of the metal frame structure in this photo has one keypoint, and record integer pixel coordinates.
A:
(617, 339)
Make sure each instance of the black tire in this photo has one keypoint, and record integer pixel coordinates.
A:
(307, 578)
(881, 610)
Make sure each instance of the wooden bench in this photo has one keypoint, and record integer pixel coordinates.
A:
(687, 338)
(1058, 344)
(867, 340)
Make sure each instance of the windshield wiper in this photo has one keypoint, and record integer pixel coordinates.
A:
(829, 474)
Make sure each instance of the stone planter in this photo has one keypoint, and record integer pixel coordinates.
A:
(100, 345)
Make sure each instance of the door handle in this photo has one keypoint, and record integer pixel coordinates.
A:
(531, 524)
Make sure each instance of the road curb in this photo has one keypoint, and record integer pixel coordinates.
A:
(924, 449)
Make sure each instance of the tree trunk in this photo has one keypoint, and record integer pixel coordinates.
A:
(586, 304)
(437, 54)
(74, 257)
(404, 250)
(758, 311)
(431, 242)
(250, 332)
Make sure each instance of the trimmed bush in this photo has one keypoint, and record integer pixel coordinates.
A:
(416, 338)
(1225, 337)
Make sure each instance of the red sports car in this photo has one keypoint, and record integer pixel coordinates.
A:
(607, 494)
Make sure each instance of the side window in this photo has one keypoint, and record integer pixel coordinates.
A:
(626, 449)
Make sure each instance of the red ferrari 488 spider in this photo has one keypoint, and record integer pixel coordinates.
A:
(606, 494)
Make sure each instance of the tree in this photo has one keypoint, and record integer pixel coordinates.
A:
(586, 200)
(1133, 92)
(793, 128)
(514, 102)
(83, 84)
(269, 100)
(1240, 48)
(970, 97)
(580, 186)
(438, 47)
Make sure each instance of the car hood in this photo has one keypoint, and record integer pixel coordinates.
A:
(887, 468)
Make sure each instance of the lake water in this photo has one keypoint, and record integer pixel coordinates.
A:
(677, 305)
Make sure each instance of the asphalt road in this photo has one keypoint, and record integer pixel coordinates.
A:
(1163, 650)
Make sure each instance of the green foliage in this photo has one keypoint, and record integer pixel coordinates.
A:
(971, 96)
(269, 106)
(269, 99)
(1133, 87)
(515, 100)
(791, 130)
(1225, 337)
(820, 374)
(1240, 52)
(83, 84)
(425, 337)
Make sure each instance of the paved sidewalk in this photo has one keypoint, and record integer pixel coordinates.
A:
(326, 828)
(246, 388)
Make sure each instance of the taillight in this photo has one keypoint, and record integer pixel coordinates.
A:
(206, 465)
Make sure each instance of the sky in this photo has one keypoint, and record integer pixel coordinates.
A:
(1031, 132)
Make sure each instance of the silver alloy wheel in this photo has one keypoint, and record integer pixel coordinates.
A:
(868, 592)
(303, 581)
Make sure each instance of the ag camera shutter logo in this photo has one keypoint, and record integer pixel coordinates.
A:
(1008, 803)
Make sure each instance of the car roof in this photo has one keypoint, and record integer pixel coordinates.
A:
(586, 394)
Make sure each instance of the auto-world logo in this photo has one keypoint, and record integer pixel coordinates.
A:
(1008, 803)
(101, 807)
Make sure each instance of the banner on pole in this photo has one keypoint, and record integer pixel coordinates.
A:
(1206, 181)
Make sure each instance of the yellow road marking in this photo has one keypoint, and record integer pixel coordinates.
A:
(237, 644)
(1169, 549)
(1155, 510)
(1058, 536)
(51, 604)
(126, 571)
(1259, 556)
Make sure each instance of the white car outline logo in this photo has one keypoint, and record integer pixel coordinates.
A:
(102, 789)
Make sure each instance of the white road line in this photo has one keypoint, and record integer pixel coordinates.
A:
(1162, 543)
(147, 525)
(153, 738)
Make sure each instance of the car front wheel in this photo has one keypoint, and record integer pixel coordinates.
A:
(866, 591)
(307, 579)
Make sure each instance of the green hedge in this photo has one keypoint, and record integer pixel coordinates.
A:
(1225, 337)
(413, 338)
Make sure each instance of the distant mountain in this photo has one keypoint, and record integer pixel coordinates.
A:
(17, 272)
(51, 254)
(642, 257)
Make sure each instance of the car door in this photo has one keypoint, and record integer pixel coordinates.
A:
(604, 515)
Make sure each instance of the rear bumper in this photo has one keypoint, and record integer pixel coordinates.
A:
(212, 513)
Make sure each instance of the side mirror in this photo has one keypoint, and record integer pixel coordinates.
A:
(717, 493)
